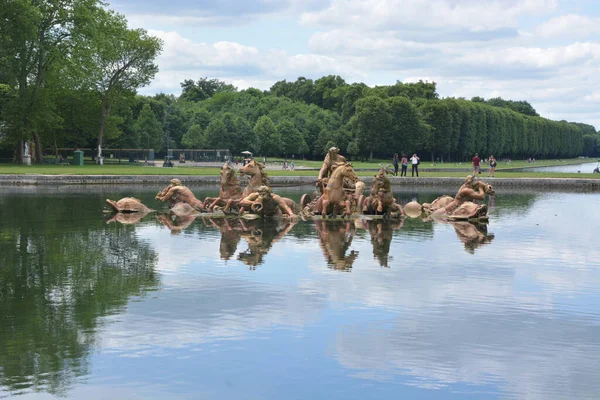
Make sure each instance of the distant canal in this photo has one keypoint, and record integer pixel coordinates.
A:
(586, 168)
(227, 309)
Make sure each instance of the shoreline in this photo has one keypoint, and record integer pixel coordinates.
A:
(59, 180)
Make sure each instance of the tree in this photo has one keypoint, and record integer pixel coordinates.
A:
(373, 124)
(215, 136)
(203, 89)
(122, 60)
(36, 38)
(292, 140)
(193, 138)
(149, 129)
(269, 140)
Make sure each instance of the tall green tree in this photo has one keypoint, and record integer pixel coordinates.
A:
(269, 140)
(122, 60)
(373, 125)
(37, 39)
(149, 129)
(291, 138)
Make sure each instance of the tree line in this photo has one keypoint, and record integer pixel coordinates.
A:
(70, 70)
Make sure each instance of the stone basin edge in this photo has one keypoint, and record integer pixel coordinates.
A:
(34, 179)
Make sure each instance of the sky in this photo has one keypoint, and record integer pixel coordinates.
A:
(544, 51)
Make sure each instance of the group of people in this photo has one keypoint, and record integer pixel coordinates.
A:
(414, 161)
(477, 165)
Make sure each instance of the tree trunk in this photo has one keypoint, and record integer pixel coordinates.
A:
(371, 155)
(38, 147)
(103, 116)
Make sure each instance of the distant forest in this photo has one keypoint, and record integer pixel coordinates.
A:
(76, 86)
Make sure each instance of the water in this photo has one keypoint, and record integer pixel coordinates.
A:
(586, 168)
(315, 310)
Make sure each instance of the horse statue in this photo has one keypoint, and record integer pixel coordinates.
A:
(259, 177)
(334, 195)
(231, 190)
(381, 199)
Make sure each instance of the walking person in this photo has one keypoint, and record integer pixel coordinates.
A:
(476, 164)
(492, 166)
(415, 164)
(395, 161)
(404, 162)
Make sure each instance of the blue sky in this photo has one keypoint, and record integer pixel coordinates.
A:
(544, 51)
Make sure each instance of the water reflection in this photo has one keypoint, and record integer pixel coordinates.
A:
(516, 315)
(335, 239)
(473, 235)
(53, 290)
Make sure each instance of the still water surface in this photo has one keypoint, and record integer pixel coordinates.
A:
(586, 168)
(219, 309)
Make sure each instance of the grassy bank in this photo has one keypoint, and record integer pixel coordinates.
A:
(213, 171)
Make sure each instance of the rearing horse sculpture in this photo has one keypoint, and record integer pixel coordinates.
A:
(231, 190)
(334, 195)
(258, 178)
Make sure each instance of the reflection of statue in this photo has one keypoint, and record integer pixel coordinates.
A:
(265, 204)
(260, 236)
(230, 190)
(472, 235)
(128, 205)
(381, 200)
(381, 238)
(462, 206)
(177, 224)
(175, 192)
(127, 218)
(231, 234)
(335, 238)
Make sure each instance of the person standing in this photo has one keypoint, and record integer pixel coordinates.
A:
(492, 166)
(395, 161)
(415, 164)
(404, 162)
(476, 164)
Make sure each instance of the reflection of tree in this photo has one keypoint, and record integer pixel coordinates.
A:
(335, 238)
(381, 238)
(56, 280)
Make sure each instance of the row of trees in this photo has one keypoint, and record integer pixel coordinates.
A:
(69, 71)
(63, 66)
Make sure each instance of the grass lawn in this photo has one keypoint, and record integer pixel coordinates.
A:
(447, 165)
(91, 169)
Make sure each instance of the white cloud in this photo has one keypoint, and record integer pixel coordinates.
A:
(569, 26)
(476, 16)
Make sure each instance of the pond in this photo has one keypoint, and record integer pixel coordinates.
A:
(585, 168)
(166, 309)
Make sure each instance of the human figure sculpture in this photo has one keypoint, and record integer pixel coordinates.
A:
(381, 199)
(26, 149)
(462, 206)
(175, 192)
(332, 157)
(266, 204)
